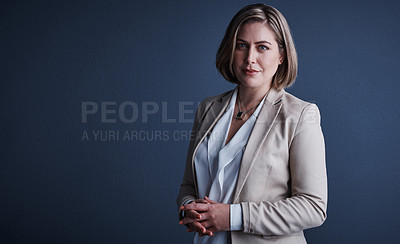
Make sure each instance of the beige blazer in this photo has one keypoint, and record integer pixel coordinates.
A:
(282, 183)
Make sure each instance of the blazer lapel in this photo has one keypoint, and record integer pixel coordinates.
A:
(210, 116)
(213, 111)
(264, 122)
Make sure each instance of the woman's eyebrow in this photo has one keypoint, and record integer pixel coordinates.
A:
(264, 42)
(259, 42)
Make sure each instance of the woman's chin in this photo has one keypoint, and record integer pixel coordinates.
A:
(252, 84)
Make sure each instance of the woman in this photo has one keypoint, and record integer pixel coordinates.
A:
(255, 170)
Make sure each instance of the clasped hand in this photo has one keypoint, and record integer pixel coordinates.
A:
(206, 216)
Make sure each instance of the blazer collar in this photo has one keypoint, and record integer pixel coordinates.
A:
(215, 108)
(213, 111)
(275, 96)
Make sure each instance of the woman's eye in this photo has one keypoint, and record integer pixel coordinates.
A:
(262, 47)
(241, 45)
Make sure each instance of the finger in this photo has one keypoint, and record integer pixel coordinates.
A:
(196, 206)
(203, 234)
(209, 200)
(201, 201)
(186, 221)
(208, 233)
(192, 214)
(196, 226)
(206, 224)
(193, 228)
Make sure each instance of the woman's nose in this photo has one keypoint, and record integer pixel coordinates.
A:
(251, 56)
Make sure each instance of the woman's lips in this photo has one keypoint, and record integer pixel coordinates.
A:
(250, 72)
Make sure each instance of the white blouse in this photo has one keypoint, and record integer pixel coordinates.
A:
(217, 166)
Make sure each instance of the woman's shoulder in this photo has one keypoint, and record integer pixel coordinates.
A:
(206, 104)
(294, 106)
(218, 97)
(223, 97)
(291, 99)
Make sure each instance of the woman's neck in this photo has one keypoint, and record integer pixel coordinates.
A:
(250, 97)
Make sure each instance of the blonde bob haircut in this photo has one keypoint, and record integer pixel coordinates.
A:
(287, 71)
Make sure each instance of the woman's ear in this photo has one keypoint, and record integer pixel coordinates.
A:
(281, 58)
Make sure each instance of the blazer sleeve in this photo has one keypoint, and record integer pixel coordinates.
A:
(306, 208)
(187, 190)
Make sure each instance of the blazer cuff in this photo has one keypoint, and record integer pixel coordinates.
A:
(246, 217)
(185, 201)
(183, 212)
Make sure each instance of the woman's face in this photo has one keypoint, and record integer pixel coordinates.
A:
(256, 57)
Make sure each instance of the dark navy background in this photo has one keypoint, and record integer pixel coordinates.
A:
(57, 188)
